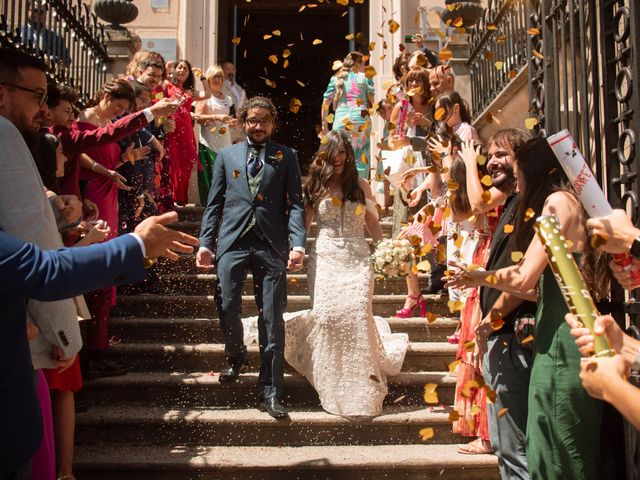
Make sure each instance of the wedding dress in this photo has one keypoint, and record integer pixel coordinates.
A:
(339, 346)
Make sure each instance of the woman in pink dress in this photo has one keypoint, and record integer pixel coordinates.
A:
(113, 99)
(181, 144)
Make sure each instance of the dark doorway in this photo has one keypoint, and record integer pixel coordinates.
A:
(308, 63)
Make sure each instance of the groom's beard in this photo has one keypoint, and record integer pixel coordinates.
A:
(258, 137)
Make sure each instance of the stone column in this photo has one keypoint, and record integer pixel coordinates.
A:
(120, 48)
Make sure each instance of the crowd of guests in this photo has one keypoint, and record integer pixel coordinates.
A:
(128, 155)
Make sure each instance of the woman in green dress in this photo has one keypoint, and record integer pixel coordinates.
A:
(563, 425)
(351, 93)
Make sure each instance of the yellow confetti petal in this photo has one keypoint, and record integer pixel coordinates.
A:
(344, 3)
(486, 197)
(266, 37)
(393, 26)
(324, 139)
(277, 33)
(516, 256)
(529, 214)
(454, 305)
(499, 65)
(529, 339)
(453, 365)
(439, 114)
(235, 40)
(424, 266)
(486, 181)
(350, 36)
(458, 22)
(369, 71)
(512, 74)
(451, 185)
(286, 53)
(273, 58)
(491, 279)
(533, 31)
(222, 130)
(481, 159)
(236, 173)
(431, 317)
(294, 105)
(293, 280)
(430, 395)
(300, 83)
(359, 209)
(260, 196)
(454, 416)
(529, 123)
(270, 83)
(502, 412)
(285, 64)
(426, 433)
(336, 202)
(538, 54)
(491, 26)
(468, 386)
(508, 228)
(317, 41)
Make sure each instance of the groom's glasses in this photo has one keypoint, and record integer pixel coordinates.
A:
(254, 122)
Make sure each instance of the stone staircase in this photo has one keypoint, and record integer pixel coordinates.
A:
(170, 418)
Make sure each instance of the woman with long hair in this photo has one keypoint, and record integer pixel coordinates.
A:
(215, 117)
(112, 100)
(563, 424)
(351, 93)
(180, 144)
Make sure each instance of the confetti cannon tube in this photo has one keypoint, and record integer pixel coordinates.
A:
(585, 184)
(569, 279)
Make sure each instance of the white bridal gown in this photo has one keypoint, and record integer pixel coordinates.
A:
(339, 346)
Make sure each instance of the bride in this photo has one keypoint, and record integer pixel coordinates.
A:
(339, 346)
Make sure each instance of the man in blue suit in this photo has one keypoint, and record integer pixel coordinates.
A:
(28, 272)
(254, 213)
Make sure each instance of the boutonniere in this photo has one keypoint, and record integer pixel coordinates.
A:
(277, 157)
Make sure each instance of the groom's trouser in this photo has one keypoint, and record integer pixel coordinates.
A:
(270, 292)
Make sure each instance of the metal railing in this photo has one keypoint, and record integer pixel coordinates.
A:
(583, 58)
(499, 50)
(65, 33)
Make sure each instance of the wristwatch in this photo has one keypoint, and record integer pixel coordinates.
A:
(635, 247)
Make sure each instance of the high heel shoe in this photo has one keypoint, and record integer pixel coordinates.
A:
(408, 312)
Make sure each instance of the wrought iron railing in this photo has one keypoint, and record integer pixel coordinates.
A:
(499, 51)
(582, 58)
(63, 32)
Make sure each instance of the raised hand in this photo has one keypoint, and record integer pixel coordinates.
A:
(160, 241)
(617, 229)
(119, 180)
(69, 206)
(469, 152)
(164, 108)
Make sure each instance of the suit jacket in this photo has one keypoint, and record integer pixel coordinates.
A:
(26, 214)
(277, 205)
(500, 257)
(26, 271)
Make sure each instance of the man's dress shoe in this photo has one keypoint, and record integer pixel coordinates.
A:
(230, 372)
(272, 406)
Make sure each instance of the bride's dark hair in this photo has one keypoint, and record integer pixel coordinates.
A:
(321, 171)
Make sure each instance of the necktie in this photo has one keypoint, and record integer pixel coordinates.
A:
(255, 165)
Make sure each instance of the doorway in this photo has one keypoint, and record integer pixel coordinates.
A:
(309, 66)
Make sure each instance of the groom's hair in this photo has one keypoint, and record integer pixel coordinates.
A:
(257, 102)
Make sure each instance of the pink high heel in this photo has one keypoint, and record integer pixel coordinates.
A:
(408, 312)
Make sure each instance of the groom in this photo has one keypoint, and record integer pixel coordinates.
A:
(254, 211)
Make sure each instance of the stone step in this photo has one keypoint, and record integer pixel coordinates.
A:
(391, 462)
(204, 356)
(297, 284)
(182, 389)
(142, 425)
(152, 305)
(192, 227)
(202, 330)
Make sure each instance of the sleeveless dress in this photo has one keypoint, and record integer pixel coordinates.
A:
(563, 425)
(352, 107)
(339, 346)
(211, 142)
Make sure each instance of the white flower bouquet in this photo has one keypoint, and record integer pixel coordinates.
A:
(393, 258)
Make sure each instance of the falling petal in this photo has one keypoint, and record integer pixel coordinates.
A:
(426, 433)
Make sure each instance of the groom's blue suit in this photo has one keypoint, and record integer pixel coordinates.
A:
(276, 207)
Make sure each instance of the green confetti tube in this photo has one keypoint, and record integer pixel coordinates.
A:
(570, 280)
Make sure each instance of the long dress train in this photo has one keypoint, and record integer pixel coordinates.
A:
(339, 346)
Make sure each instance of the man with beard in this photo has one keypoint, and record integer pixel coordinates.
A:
(506, 364)
(253, 212)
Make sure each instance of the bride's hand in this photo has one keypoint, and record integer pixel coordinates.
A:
(296, 261)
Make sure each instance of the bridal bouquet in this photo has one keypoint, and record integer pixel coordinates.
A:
(393, 258)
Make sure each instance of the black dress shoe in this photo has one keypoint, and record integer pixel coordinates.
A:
(272, 406)
(230, 372)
